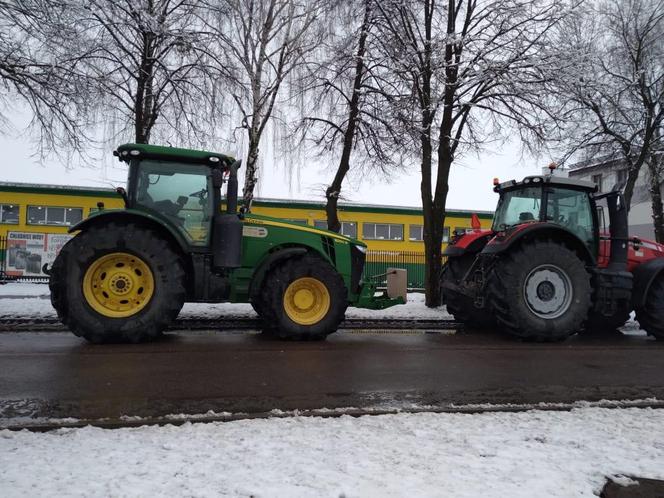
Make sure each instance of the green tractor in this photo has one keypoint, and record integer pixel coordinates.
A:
(126, 274)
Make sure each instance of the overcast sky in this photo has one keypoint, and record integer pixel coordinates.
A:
(470, 180)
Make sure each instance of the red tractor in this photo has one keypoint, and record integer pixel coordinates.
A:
(547, 268)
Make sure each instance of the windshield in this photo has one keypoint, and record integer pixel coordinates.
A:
(518, 206)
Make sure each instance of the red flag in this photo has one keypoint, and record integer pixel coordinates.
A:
(475, 222)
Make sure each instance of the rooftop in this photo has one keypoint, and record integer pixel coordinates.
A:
(266, 202)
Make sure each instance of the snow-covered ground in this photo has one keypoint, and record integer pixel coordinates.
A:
(534, 453)
(29, 300)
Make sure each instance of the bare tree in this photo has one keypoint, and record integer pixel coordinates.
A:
(38, 70)
(151, 66)
(263, 42)
(469, 70)
(612, 98)
(655, 164)
(346, 100)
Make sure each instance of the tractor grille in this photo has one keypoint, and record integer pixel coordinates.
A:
(357, 258)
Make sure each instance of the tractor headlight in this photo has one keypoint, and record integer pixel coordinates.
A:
(362, 249)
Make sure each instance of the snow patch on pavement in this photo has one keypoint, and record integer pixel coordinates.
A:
(29, 300)
(523, 454)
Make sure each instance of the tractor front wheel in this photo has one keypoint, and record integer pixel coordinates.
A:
(303, 298)
(651, 316)
(540, 291)
(117, 283)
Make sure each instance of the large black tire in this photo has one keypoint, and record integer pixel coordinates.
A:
(273, 297)
(540, 291)
(458, 305)
(257, 305)
(87, 248)
(651, 316)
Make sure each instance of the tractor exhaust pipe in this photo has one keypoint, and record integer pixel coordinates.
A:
(231, 190)
(619, 231)
(227, 226)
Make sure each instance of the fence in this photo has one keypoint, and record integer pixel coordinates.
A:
(379, 261)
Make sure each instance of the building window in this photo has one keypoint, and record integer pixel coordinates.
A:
(462, 230)
(9, 214)
(57, 216)
(382, 231)
(348, 228)
(597, 180)
(415, 232)
(621, 176)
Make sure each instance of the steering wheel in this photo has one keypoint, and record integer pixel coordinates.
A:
(201, 194)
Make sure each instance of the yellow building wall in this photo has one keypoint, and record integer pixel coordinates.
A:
(23, 200)
(89, 202)
(406, 220)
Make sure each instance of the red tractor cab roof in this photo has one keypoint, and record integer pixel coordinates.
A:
(551, 180)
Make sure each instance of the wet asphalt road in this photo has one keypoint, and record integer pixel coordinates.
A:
(54, 374)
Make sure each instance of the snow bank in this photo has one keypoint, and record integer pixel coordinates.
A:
(25, 300)
(24, 289)
(492, 454)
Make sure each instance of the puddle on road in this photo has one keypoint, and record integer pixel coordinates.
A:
(396, 331)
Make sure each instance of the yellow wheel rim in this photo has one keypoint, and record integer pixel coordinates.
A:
(306, 301)
(118, 285)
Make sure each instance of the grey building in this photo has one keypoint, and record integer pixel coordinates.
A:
(606, 172)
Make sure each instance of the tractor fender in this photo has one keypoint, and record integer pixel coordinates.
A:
(280, 254)
(500, 244)
(136, 216)
(470, 243)
(644, 275)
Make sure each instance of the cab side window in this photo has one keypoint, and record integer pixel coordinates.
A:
(571, 209)
(180, 193)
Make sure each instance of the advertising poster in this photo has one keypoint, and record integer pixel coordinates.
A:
(27, 253)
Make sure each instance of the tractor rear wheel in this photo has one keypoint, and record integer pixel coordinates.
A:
(303, 298)
(651, 316)
(117, 283)
(540, 291)
(458, 305)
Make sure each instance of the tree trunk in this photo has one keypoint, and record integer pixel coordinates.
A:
(144, 101)
(432, 253)
(334, 190)
(655, 170)
(433, 231)
(250, 178)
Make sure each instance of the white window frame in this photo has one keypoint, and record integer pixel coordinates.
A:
(414, 225)
(600, 177)
(389, 231)
(446, 234)
(66, 222)
(18, 219)
(344, 224)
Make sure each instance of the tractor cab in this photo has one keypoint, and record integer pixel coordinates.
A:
(539, 200)
(182, 188)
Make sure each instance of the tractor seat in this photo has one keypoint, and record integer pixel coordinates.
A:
(526, 216)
